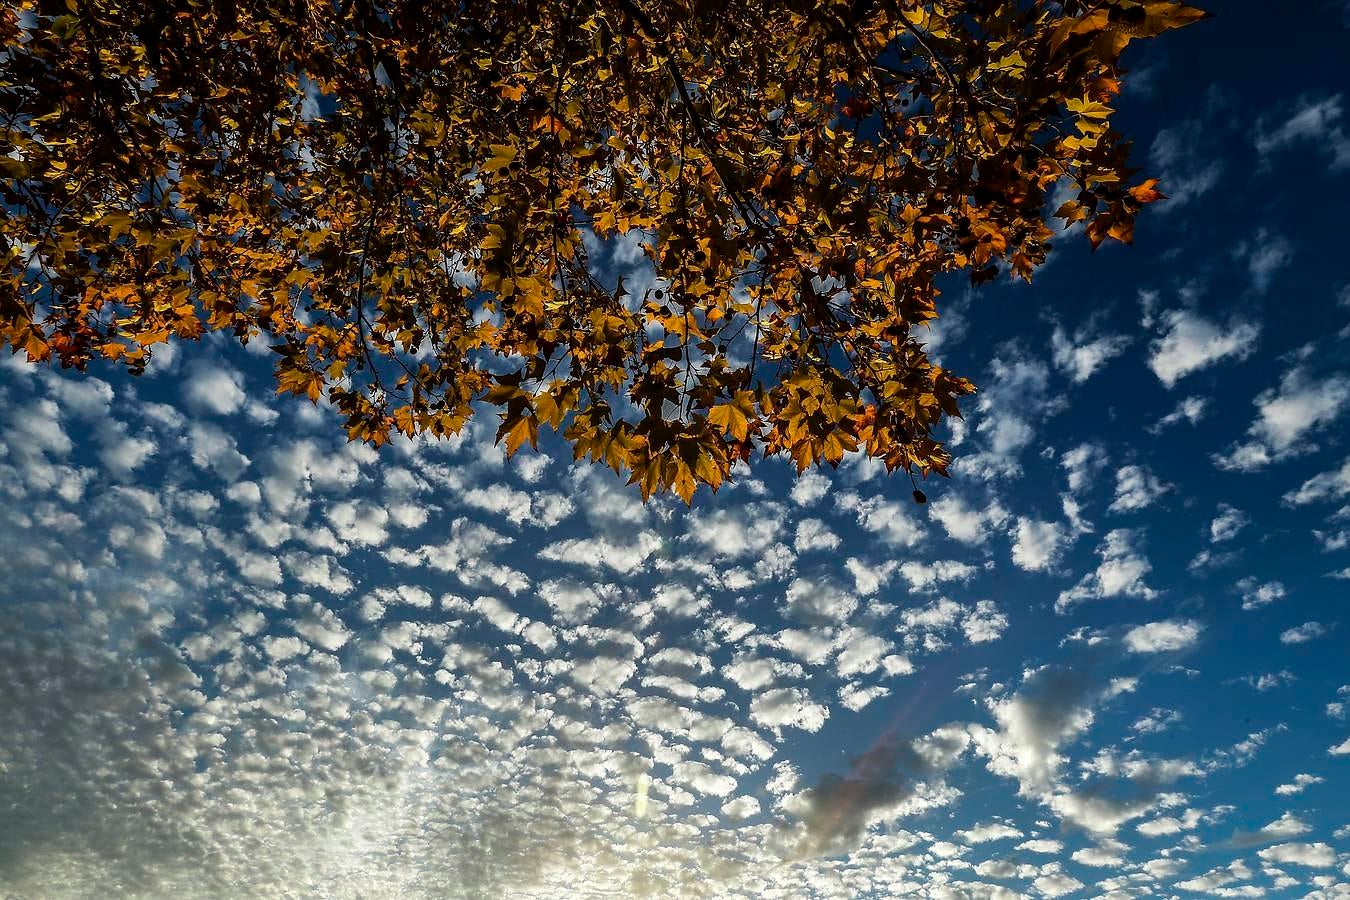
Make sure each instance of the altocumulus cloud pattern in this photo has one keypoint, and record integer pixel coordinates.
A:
(240, 657)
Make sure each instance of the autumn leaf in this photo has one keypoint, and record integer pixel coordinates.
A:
(516, 431)
(502, 156)
(1089, 108)
(1147, 192)
(684, 483)
(733, 418)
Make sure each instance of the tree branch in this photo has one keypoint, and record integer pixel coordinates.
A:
(728, 178)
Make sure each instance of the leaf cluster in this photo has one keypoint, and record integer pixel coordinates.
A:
(403, 198)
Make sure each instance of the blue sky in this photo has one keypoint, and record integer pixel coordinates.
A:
(241, 657)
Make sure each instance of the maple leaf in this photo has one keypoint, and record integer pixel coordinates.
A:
(1147, 192)
(516, 431)
(502, 156)
(734, 418)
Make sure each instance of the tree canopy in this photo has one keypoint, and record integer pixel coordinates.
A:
(404, 198)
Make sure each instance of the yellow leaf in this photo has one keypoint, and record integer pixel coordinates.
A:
(118, 224)
(1012, 62)
(517, 432)
(684, 483)
(502, 156)
(495, 239)
(1089, 109)
(733, 418)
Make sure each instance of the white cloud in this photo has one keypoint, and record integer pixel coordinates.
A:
(1187, 172)
(1136, 488)
(1301, 404)
(854, 696)
(949, 329)
(788, 708)
(1014, 397)
(868, 579)
(1190, 342)
(1056, 884)
(1038, 546)
(1052, 706)
(603, 675)
(813, 646)
(940, 614)
(1256, 594)
(284, 648)
(574, 601)
(502, 500)
(322, 628)
(1163, 637)
(818, 601)
(703, 779)
(1301, 782)
(36, 428)
(1265, 255)
(408, 515)
(259, 568)
(964, 523)
(890, 521)
(1227, 523)
(860, 652)
(1042, 845)
(1303, 633)
(982, 834)
(1318, 856)
(738, 532)
(625, 557)
(814, 535)
(984, 623)
(123, 454)
(1285, 415)
(741, 808)
(1120, 573)
(83, 397)
(1332, 541)
(530, 466)
(1217, 878)
(1190, 410)
(1108, 853)
(1158, 720)
(1271, 680)
(214, 387)
(363, 524)
(318, 570)
(1326, 486)
(947, 850)
(212, 448)
(1097, 813)
(1083, 354)
(927, 576)
(1315, 122)
(1081, 465)
(751, 673)
(810, 487)
(1167, 825)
